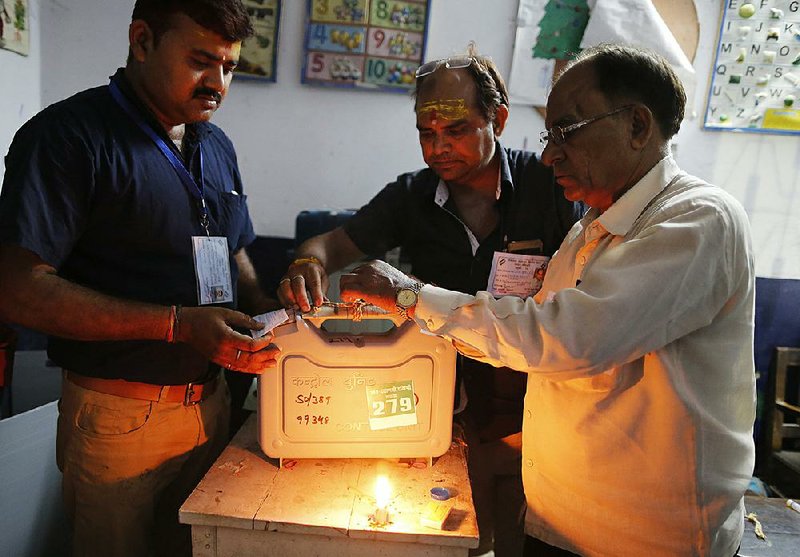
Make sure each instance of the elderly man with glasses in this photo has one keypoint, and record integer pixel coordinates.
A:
(475, 200)
(637, 436)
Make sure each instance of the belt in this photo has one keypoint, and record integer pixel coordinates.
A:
(188, 394)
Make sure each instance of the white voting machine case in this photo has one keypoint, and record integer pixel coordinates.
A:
(348, 395)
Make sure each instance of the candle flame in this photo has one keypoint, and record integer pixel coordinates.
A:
(383, 491)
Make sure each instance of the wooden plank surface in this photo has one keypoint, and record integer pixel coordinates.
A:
(312, 497)
(233, 490)
(330, 498)
(411, 494)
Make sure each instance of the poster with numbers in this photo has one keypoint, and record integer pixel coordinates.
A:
(366, 44)
(755, 84)
(257, 59)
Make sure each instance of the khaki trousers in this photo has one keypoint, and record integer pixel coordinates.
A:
(129, 464)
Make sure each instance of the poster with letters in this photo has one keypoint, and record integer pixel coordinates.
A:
(756, 75)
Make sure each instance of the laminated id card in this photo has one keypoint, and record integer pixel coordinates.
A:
(212, 269)
(515, 274)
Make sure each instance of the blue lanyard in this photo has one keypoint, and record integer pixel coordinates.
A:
(187, 179)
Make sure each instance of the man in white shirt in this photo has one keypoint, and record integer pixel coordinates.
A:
(637, 435)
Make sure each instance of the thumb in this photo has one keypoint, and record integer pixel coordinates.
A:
(239, 319)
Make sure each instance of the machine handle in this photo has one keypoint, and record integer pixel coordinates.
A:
(326, 313)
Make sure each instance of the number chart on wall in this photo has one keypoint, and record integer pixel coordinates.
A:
(756, 77)
(368, 44)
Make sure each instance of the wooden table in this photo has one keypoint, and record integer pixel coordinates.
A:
(780, 524)
(246, 505)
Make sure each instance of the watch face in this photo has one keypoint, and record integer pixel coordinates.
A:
(406, 297)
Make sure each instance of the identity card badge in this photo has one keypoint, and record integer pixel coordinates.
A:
(392, 405)
(516, 274)
(212, 269)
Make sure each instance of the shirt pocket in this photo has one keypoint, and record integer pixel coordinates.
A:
(232, 218)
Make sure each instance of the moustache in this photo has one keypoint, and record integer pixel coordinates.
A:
(203, 92)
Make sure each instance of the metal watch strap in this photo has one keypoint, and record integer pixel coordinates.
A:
(403, 312)
(416, 287)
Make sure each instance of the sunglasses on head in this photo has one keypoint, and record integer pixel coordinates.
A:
(451, 63)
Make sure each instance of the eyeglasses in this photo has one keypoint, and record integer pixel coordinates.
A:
(558, 135)
(452, 63)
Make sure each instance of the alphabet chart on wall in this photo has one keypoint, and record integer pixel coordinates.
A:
(755, 82)
(368, 44)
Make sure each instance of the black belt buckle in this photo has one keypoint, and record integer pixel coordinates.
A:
(187, 397)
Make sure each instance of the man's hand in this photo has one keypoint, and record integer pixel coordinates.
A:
(210, 331)
(377, 283)
(251, 298)
(303, 277)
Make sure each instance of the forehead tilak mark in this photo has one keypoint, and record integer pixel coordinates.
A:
(448, 109)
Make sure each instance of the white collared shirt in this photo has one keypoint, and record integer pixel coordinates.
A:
(637, 435)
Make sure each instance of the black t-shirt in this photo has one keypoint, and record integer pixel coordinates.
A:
(90, 193)
(433, 239)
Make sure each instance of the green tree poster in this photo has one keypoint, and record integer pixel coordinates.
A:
(561, 29)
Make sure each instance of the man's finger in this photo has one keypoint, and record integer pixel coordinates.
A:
(300, 295)
(254, 362)
(314, 286)
(257, 361)
(285, 293)
(239, 319)
(246, 343)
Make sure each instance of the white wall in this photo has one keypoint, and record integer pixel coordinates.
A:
(21, 90)
(302, 147)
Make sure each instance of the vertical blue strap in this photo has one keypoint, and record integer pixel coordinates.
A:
(188, 180)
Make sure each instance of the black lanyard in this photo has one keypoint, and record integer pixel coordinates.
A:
(195, 189)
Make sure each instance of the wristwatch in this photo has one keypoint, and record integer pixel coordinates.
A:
(406, 298)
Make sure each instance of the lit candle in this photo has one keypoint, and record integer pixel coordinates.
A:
(383, 493)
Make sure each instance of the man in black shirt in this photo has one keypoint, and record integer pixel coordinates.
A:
(476, 199)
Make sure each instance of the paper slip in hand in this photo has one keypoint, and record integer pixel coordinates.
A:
(271, 319)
